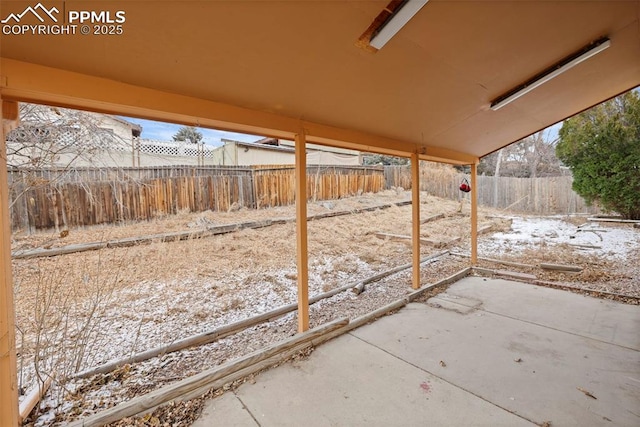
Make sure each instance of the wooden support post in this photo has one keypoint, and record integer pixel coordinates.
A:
(301, 232)
(474, 214)
(415, 220)
(8, 374)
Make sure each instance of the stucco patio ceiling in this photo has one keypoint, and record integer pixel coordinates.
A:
(428, 89)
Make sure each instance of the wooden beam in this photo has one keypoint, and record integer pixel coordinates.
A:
(10, 115)
(27, 82)
(301, 232)
(444, 155)
(415, 218)
(10, 111)
(8, 374)
(474, 214)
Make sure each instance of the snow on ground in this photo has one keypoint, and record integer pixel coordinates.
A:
(173, 290)
(610, 241)
(144, 318)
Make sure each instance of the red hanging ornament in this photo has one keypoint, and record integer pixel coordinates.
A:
(465, 187)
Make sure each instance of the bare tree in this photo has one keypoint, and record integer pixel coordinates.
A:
(530, 157)
(54, 140)
(51, 136)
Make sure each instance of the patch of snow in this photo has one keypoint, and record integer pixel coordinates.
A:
(530, 232)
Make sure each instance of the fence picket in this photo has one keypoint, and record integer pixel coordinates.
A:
(130, 194)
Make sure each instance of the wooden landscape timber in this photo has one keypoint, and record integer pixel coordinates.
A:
(527, 278)
(561, 267)
(360, 287)
(430, 242)
(206, 337)
(353, 324)
(614, 220)
(33, 396)
(206, 378)
(581, 246)
(505, 273)
(544, 266)
(432, 218)
(232, 328)
(133, 241)
(185, 235)
(196, 385)
(603, 294)
(497, 261)
(342, 213)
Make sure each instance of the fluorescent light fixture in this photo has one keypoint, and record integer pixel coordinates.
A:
(550, 73)
(399, 19)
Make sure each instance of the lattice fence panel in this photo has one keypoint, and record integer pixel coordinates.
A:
(177, 148)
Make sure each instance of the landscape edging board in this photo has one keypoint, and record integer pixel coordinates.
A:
(251, 363)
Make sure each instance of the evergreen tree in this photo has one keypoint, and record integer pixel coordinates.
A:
(188, 134)
(601, 146)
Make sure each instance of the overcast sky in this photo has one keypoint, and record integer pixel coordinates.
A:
(161, 131)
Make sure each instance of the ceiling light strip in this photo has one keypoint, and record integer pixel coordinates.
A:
(550, 73)
(399, 19)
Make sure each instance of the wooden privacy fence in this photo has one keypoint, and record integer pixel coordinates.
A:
(55, 198)
(547, 195)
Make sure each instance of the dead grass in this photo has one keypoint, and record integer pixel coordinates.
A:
(166, 291)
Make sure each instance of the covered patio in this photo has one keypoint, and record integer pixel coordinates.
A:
(488, 352)
(451, 83)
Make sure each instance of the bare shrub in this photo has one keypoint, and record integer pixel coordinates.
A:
(63, 333)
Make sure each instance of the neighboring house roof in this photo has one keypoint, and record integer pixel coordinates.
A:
(136, 129)
(259, 146)
(268, 142)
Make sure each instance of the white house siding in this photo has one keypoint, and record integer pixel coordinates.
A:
(255, 156)
(329, 158)
(247, 154)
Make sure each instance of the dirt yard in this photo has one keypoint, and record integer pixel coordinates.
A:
(80, 310)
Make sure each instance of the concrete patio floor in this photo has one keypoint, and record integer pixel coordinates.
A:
(487, 353)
